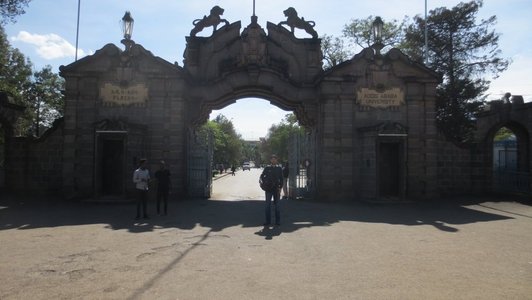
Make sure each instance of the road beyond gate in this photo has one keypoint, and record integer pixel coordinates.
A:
(217, 249)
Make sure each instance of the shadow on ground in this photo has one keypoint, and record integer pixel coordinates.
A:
(219, 214)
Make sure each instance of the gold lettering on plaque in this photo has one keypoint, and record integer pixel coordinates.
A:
(380, 99)
(112, 94)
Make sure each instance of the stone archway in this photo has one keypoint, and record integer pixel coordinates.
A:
(231, 65)
(337, 105)
(509, 159)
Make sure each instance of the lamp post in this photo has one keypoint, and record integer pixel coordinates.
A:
(127, 29)
(376, 27)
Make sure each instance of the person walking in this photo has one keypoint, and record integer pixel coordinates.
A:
(141, 178)
(271, 181)
(233, 169)
(163, 187)
(285, 179)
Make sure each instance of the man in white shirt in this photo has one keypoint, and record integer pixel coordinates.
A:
(141, 178)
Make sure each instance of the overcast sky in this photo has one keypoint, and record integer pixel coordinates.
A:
(47, 34)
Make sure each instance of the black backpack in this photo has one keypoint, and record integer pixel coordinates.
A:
(267, 182)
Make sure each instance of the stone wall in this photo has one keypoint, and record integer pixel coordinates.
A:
(462, 170)
(35, 165)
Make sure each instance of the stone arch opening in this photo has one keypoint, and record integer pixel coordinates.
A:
(279, 101)
(509, 145)
(300, 146)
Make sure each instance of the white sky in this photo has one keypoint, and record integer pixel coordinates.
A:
(47, 34)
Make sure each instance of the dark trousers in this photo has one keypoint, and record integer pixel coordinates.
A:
(162, 195)
(275, 196)
(142, 200)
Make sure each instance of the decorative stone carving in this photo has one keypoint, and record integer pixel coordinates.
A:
(388, 128)
(212, 20)
(293, 21)
(253, 45)
(111, 125)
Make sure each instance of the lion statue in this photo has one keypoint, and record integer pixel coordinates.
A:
(293, 21)
(212, 20)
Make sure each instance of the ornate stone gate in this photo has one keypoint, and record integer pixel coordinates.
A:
(371, 118)
(368, 114)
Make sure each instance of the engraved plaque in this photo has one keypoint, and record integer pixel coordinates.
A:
(135, 94)
(380, 99)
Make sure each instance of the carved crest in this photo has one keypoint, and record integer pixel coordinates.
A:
(212, 20)
(293, 21)
(253, 45)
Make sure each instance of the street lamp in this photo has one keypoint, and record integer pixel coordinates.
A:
(127, 29)
(127, 25)
(377, 34)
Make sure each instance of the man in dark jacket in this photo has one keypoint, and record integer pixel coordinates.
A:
(272, 173)
(163, 187)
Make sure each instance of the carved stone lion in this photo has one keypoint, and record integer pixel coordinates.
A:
(293, 21)
(212, 20)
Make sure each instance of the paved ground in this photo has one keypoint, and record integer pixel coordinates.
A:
(219, 250)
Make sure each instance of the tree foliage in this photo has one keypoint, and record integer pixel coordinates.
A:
(359, 32)
(464, 51)
(39, 92)
(15, 69)
(278, 138)
(227, 143)
(10, 9)
(504, 134)
(250, 152)
(334, 51)
(45, 99)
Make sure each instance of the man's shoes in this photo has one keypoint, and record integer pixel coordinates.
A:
(277, 223)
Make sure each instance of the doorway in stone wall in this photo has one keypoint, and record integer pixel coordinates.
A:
(390, 162)
(110, 164)
(510, 163)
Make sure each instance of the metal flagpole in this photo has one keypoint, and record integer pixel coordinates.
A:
(426, 36)
(77, 31)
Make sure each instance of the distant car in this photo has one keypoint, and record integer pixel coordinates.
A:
(246, 166)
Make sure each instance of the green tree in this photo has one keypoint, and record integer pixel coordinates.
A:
(250, 152)
(39, 92)
(10, 9)
(334, 51)
(504, 134)
(45, 99)
(464, 51)
(227, 143)
(359, 32)
(278, 138)
(15, 69)
(15, 77)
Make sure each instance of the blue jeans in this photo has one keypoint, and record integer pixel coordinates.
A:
(275, 196)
